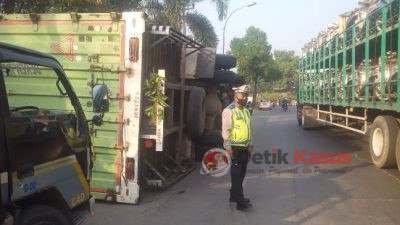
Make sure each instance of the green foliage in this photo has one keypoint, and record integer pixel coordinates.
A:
(198, 24)
(272, 76)
(154, 92)
(253, 53)
(63, 6)
(286, 65)
(178, 13)
(175, 13)
(222, 8)
(278, 95)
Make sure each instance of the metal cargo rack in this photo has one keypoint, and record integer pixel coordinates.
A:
(356, 69)
(167, 53)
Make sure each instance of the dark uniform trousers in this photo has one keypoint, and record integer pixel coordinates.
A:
(238, 172)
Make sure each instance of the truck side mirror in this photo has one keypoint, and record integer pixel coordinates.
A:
(101, 103)
(97, 120)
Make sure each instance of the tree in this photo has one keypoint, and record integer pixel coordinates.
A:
(287, 63)
(253, 53)
(62, 6)
(179, 13)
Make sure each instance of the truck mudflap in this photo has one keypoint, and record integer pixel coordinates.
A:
(91, 203)
(309, 117)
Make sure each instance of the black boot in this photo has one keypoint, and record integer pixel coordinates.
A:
(243, 206)
(245, 200)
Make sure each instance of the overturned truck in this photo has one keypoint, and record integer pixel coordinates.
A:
(163, 87)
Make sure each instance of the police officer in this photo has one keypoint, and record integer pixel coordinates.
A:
(236, 126)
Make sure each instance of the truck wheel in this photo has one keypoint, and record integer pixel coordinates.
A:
(196, 112)
(299, 116)
(200, 151)
(41, 214)
(303, 121)
(309, 118)
(398, 150)
(382, 141)
(225, 76)
(211, 138)
(225, 62)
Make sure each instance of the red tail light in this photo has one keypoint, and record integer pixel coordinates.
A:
(134, 49)
(130, 168)
(148, 143)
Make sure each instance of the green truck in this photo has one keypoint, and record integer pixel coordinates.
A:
(349, 77)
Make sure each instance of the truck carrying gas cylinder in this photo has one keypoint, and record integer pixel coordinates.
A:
(349, 77)
(165, 92)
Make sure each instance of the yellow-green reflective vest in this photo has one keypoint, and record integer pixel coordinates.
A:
(240, 132)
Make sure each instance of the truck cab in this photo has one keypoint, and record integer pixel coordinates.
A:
(45, 148)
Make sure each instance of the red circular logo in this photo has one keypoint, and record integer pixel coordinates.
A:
(216, 162)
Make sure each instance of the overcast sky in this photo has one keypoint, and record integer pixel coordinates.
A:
(289, 24)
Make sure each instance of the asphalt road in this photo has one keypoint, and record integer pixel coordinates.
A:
(356, 193)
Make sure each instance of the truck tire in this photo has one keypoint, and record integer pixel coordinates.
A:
(382, 141)
(229, 77)
(225, 62)
(200, 151)
(196, 112)
(224, 76)
(309, 118)
(299, 115)
(398, 150)
(303, 121)
(41, 214)
(239, 80)
(211, 138)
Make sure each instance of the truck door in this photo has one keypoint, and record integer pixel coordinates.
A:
(40, 124)
(3, 156)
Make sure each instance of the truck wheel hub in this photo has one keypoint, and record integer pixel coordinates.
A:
(377, 141)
